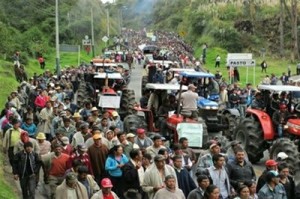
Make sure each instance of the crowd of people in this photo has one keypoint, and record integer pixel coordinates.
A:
(81, 152)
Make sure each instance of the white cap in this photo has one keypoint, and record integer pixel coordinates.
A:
(282, 155)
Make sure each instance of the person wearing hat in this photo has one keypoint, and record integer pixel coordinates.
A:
(258, 102)
(189, 100)
(80, 137)
(44, 145)
(98, 153)
(155, 147)
(133, 174)
(170, 190)
(46, 115)
(206, 161)
(11, 138)
(271, 165)
(281, 157)
(153, 180)
(71, 188)
(272, 188)
(86, 111)
(95, 115)
(81, 154)
(130, 138)
(66, 146)
(14, 100)
(280, 118)
(76, 117)
(19, 146)
(142, 140)
(116, 121)
(26, 166)
(55, 164)
(105, 191)
(60, 94)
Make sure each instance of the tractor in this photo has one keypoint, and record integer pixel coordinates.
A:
(257, 132)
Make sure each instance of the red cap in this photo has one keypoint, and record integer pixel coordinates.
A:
(106, 183)
(270, 163)
(140, 131)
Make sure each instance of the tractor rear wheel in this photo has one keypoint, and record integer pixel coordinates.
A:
(144, 82)
(127, 102)
(133, 122)
(287, 146)
(229, 120)
(250, 134)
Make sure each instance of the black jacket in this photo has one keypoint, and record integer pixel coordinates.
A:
(131, 177)
(20, 160)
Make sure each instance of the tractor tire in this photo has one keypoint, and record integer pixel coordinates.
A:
(144, 82)
(287, 146)
(250, 134)
(229, 120)
(133, 122)
(127, 102)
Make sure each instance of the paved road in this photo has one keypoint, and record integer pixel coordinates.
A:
(136, 81)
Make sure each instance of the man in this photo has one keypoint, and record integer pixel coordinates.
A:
(280, 118)
(230, 152)
(240, 170)
(155, 176)
(71, 188)
(271, 165)
(26, 166)
(133, 172)
(272, 188)
(87, 180)
(130, 138)
(185, 181)
(170, 191)
(218, 60)
(142, 140)
(219, 176)
(184, 143)
(127, 146)
(234, 98)
(81, 154)
(287, 180)
(67, 129)
(189, 102)
(19, 146)
(82, 136)
(116, 121)
(156, 146)
(98, 154)
(66, 146)
(198, 193)
(55, 165)
(213, 87)
(186, 161)
(69, 105)
(46, 115)
(105, 192)
(206, 160)
(44, 145)
(95, 115)
(258, 102)
(11, 138)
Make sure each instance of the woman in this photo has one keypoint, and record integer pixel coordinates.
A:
(212, 192)
(243, 192)
(252, 189)
(113, 165)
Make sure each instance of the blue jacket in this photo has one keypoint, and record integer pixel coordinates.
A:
(111, 165)
(266, 193)
(31, 129)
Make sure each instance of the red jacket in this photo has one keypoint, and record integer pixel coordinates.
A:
(40, 101)
(84, 159)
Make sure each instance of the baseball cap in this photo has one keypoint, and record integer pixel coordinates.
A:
(270, 163)
(114, 114)
(140, 131)
(106, 183)
(65, 140)
(82, 147)
(213, 145)
(272, 174)
(94, 109)
(282, 155)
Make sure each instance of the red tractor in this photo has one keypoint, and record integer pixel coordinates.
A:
(257, 132)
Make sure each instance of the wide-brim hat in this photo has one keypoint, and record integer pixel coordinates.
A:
(41, 136)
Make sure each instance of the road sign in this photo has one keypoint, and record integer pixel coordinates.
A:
(86, 42)
(105, 39)
(241, 62)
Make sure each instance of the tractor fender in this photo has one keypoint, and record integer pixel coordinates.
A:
(266, 122)
(231, 111)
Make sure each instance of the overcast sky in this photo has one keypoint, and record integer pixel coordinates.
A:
(109, 1)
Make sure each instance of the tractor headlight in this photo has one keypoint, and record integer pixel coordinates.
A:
(207, 107)
(214, 107)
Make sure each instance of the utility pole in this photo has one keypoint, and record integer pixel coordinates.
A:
(57, 39)
(92, 30)
(107, 21)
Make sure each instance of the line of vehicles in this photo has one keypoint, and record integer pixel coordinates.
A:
(255, 130)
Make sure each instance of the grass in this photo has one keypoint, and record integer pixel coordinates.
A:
(275, 65)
